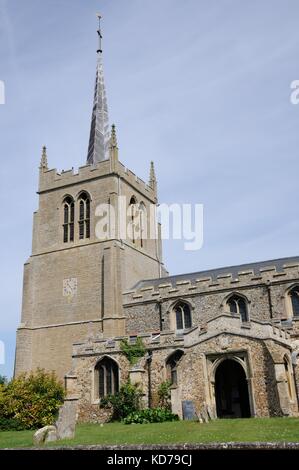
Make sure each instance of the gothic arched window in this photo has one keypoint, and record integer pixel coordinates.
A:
(142, 223)
(133, 208)
(106, 378)
(238, 306)
(171, 365)
(182, 316)
(68, 219)
(294, 298)
(84, 216)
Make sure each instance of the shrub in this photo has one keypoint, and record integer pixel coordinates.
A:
(31, 401)
(10, 424)
(125, 402)
(134, 351)
(150, 415)
(164, 395)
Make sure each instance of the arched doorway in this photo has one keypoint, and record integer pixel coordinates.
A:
(231, 390)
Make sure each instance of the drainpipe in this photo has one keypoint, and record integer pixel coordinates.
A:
(160, 315)
(270, 299)
(149, 359)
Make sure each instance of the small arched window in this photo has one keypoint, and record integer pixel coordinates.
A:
(294, 300)
(68, 219)
(172, 365)
(106, 378)
(84, 216)
(238, 306)
(132, 215)
(182, 316)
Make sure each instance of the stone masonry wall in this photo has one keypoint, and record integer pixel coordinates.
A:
(195, 377)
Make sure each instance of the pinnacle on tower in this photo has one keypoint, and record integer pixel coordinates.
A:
(113, 138)
(152, 178)
(44, 159)
(113, 149)
(98, 148)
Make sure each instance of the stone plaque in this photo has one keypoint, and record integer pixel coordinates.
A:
(189, 412)
(70, 287)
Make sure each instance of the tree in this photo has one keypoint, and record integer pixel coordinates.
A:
(3, 380)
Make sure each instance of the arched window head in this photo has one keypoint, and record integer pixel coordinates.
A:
(294, 301)
(68, 219)
(182, 316)
(132, 216)
(106, 378)
(84, 216)
(142, 224)
(172, 365)
(238, 306)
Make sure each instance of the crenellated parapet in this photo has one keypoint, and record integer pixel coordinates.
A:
(215, 280)
(100, 345)
(223, 324)
(52, 179)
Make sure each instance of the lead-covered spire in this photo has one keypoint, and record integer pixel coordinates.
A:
(99, 139)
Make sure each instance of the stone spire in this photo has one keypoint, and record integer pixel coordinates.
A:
(98, 148)
(152, 178)
(44, 160)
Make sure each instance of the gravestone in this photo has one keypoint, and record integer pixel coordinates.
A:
(204, 415)
(189, 412)
(44, 435)
(209, 412)
(66, 422)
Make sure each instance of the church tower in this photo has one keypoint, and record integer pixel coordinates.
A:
(95, 235)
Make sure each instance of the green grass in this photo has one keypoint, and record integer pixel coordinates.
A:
(228, 430)
(16, 439)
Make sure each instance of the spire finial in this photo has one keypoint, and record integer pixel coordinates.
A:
(152, 178)
(99, 34)
(44, 159)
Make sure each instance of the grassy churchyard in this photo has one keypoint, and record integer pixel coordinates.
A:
(226, 430)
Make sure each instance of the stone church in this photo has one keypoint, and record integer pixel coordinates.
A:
(227, 338)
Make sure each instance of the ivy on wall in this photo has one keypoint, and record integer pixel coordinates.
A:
(134, 351)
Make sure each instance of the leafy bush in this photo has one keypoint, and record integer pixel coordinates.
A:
(125, 402)
(134, 351)
(164, 395)
(10, 424)
(150, 415)
(31, 401)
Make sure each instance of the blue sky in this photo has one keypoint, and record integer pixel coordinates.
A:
(202, 87)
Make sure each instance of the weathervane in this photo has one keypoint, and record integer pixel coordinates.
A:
(99, 34)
